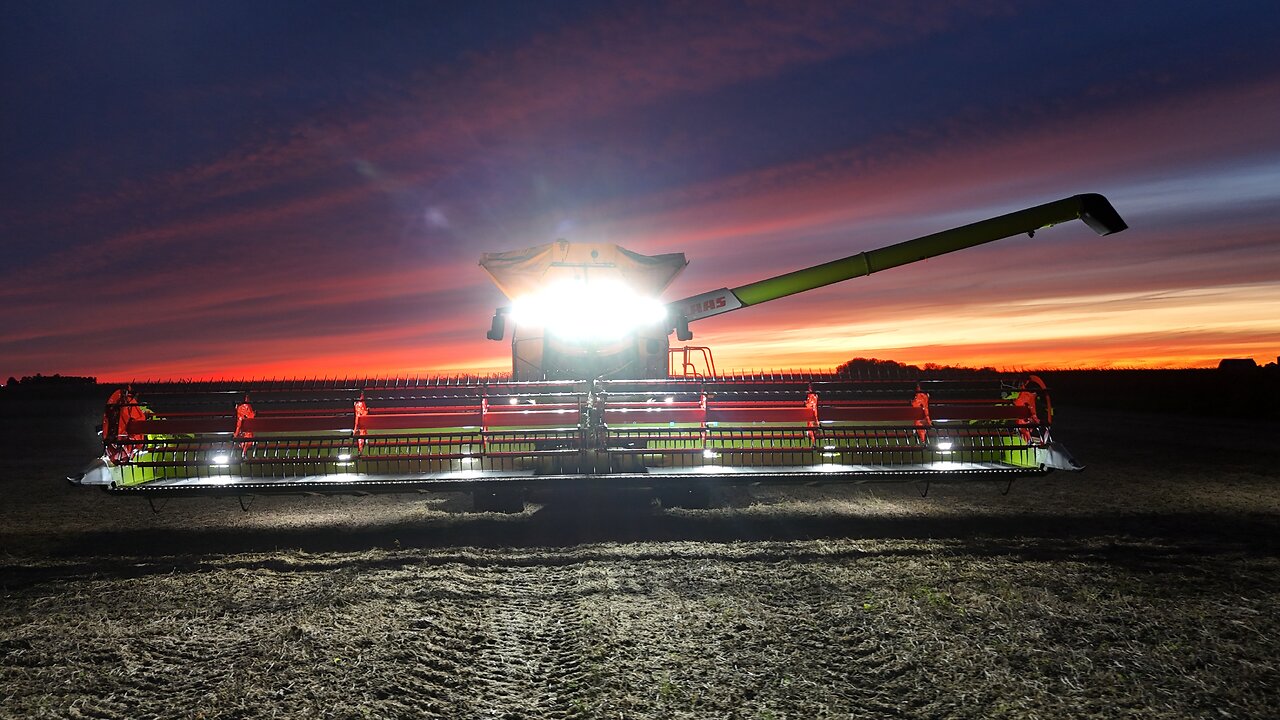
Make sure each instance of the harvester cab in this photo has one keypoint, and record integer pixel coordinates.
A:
(583, 311)
(592, 401)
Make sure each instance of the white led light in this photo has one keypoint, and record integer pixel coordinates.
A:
(944, 444)
(828, 447)
(220, 459)
(343, 457)
(709, 453)
(514, 401)
(669, 400)
(598, 310)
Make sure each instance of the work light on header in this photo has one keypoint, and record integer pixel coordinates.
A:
(588, 311)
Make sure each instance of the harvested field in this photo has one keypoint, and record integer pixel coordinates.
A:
(1148, 586)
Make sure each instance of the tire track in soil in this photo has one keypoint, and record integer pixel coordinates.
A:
(530, 665)
(115, 664)
(868, 668)
(397, 645)
(702, 638)
(184, 668)
(127, 680)
(423, 647)
(230, 650)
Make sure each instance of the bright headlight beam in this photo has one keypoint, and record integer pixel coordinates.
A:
(588, 311)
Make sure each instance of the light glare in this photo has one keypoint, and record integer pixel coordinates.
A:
(598, 310)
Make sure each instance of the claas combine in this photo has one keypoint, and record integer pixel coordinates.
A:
(598, 398)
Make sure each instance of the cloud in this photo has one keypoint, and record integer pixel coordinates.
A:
(352, 237)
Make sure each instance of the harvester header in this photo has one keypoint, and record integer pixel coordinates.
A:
(596, 399)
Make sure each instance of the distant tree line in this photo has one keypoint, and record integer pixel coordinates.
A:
(54, 379)
(894, 370)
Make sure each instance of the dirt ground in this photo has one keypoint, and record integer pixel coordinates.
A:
(1148, 586)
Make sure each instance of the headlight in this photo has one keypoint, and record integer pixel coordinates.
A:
(588, 311)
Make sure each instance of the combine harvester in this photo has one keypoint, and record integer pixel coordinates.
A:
(597, 399)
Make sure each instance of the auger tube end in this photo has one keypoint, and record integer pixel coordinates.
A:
(1097, 212)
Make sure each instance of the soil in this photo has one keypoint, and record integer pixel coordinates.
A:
(1146, 587)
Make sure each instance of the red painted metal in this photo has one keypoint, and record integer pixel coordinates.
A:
(182, 426)
(121, 413)
(264, 423)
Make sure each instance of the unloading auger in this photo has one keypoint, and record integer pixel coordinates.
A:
(598, 399)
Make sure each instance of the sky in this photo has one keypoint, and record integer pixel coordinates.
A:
(246, 189)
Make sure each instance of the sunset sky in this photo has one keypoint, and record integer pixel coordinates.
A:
(305, 188)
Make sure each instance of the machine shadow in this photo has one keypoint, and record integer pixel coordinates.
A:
(568, 526)
(1153, 556)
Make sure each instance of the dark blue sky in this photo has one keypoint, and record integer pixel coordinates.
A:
(225, 188)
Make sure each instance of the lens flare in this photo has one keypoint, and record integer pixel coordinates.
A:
(581, 311)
